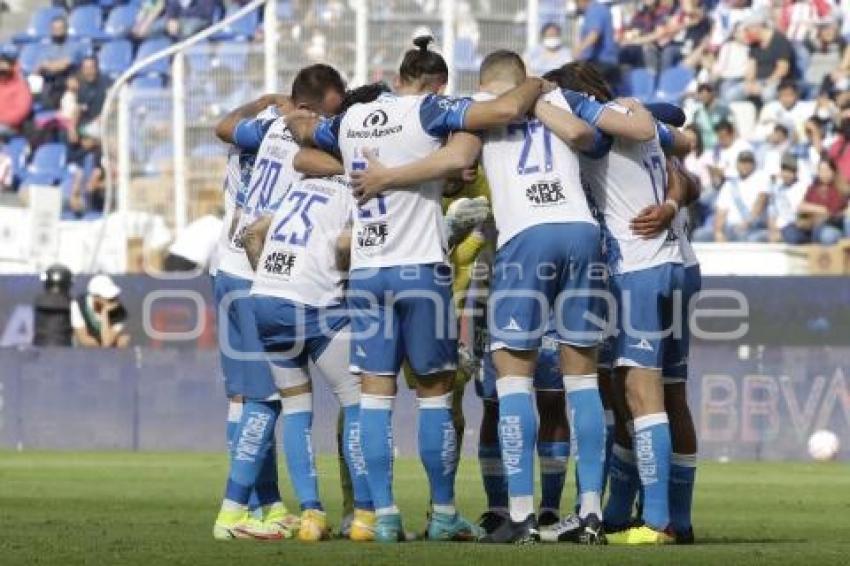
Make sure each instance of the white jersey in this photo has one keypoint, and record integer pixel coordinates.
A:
(681, 228)
(399, 227)
(298, 262)
(632, 176)
(534, 176)
(240, 165)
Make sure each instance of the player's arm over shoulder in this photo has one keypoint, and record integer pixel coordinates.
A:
(255, 238)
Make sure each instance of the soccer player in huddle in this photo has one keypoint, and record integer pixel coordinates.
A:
(400, 287)
(320, 89)
(647, 280)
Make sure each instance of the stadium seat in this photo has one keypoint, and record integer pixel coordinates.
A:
(148, 48)
(242, 29)
(39, 26)
(465, 57)
(18, 150)
(49, 159)
(85, 22)
(30, 57)
(200, 57)
(285, 10)
(743, 116)
(148, 81)
(120, 21)
(115, 57)
(641, 83)
(41, 179)
(234, 56)
(673, 83)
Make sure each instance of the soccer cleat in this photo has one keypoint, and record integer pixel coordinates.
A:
(286, 523)
(592, 531)
(362, 527)
(547, 519)
(314, 526)
(640, 535)
(565, 530)
(452, 527)
(490, 521)
(685, 537)
(388, 528)
(239, 524)
(525, 532)
(345, 525)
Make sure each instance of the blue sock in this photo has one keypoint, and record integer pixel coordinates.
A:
(376, 438)
(623, 485)
(609, 446)
(253, 439)
(587, 420)
(553, 470)
(267, 490)
(234, 415)
(438, 450)
(298, 447)
(683, 470)
(518, 436)
(493, 476)
(653, 451)
(352, 448)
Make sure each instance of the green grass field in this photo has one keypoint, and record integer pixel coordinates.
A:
(151, 509)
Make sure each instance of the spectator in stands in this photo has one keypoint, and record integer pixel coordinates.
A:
(596, 42)
(726, 20)
(813, 145)
(827, 66)
(52, 308)
(697, 162)
(772, 153)
(550, 53)
(730, 67)
(637, 46)
(839, 150)
(741, 204)
(187, 17)
(91, 96)
(772, 58)
(787, 109)
(6, 171)
(786, 194)
(824, 208)
(725, 154)
(14, 92)
(59, 58)
(692, 30)
(656, 32)
(98, 316)
(148, 22)
(709, 113)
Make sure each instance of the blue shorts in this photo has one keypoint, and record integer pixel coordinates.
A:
(677, 370)
(295, 333)
(649, 317)
(605, 357)
(547, 374)
(402, 312)
(550, 268)
(250, 377)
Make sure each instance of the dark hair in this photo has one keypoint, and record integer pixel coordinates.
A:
(788, 83)
(502, 62)
(554, 76)
(782, 128)
(548, 26)
(422, 63)
(313, 82)
(700, 145)
(724, 125)
(585, 77)
(363, 94)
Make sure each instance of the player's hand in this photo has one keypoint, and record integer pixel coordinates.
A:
(653, 220)
(547, 86)
(469, 174)
(369, 182)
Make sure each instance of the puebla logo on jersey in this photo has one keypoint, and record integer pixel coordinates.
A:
(546, 193)
(375, 126)
(372, 235)
(280, 263)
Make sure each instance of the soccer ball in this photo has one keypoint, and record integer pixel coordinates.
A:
(823, 445)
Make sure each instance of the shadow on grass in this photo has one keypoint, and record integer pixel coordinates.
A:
(741, 540)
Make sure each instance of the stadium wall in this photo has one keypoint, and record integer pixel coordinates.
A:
(758, 397)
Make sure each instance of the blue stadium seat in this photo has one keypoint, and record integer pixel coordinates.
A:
(30, 57)
(641, 83)
(200, 57)
(148, 48)
(148, 81)
(234, 56)
(115, 57)
(85, 22)
(242, 29)
(18, 150)
(465, 57)
(120, 21)
(672, 83)
(41, 179)
(49, 159)
(39, 26)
